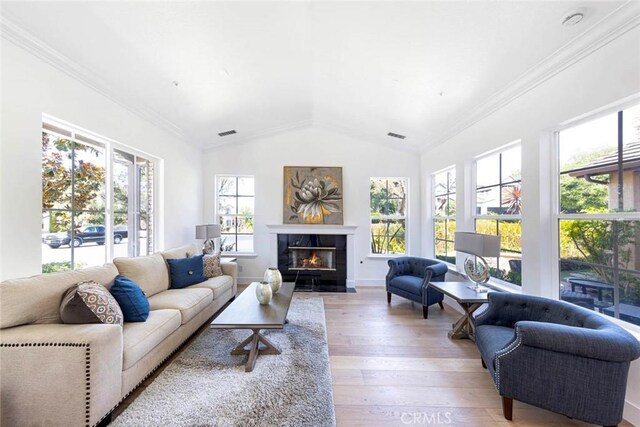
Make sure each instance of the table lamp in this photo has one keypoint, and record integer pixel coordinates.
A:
(208, 232)
(477, 246)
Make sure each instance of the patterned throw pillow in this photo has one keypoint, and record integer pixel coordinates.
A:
(212, 266)
(90, 302)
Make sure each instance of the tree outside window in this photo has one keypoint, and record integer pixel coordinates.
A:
(498, 209)
(599, 214)
(235, 211)
(388, 214)
(444, 214)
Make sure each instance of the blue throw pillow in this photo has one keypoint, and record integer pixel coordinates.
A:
(186, 271)
(133, 302)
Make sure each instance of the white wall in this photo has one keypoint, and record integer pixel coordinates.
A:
(265, 158)
(607, 76)
(30, 87)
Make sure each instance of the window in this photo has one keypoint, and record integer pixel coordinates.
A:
(599, 214)
(498, 207)
(75, 202)
(444, 214)
(388, 212)
(235, 211)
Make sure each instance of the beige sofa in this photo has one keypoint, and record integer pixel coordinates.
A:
(72, 375)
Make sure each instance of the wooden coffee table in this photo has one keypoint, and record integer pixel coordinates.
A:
(469, 300)
(245, 312)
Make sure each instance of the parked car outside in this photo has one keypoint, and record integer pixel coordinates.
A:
(90, 233)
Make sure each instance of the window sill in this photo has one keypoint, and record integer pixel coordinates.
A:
(239, 255)
(385, 256)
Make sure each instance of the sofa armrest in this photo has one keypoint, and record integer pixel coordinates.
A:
(601, 344)
(55, 374)
(231, 269)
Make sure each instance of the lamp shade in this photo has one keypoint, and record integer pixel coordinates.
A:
(207, 231)
(484, 245)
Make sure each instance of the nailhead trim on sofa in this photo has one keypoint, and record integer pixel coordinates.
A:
(87, 369)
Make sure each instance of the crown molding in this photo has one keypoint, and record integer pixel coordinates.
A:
(239, 139)
(18, 36)
(617, 23)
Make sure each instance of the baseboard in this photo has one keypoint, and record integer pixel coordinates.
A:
(632, 413)
(370, 282)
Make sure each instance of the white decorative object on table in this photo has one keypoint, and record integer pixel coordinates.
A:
(274, 278)
(263, 292)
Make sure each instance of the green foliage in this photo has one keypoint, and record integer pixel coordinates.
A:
(58, 175)
(54, 267)
(578, 195)
(387, 237)
(388, 197)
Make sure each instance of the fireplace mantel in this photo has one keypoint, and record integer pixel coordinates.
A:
(311, 229)
(348, 230)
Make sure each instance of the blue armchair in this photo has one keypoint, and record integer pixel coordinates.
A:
(556, 356)
(409, 277)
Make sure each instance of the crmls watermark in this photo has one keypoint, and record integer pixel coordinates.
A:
(424, 418)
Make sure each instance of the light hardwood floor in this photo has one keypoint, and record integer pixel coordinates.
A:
(391, 367)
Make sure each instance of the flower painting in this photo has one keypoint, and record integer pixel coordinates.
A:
(312, 195)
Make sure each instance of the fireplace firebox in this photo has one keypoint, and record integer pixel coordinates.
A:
(315, 262)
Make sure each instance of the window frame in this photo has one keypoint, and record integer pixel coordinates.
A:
(218, 216)
(435, 217)
(62, 129)
(556, 214)
(404, 217)
(501, 216)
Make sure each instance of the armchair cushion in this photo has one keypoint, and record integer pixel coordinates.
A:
(490, 339)
(410, 284)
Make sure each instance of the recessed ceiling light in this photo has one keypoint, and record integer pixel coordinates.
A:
(573, 17)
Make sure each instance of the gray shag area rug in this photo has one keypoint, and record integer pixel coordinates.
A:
(206, 386)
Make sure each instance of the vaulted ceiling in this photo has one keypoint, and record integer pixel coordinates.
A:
(418, 69)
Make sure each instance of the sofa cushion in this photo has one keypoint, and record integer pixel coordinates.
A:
(185, 251)
(410, 284)
(90, 302)
(218, 285)
(490, 339)
(132, 301)
(148, 272)
(139, 339)
(212, 266)
(37, 299)
(188, 301)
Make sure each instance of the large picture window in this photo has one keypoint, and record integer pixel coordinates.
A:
(235, 211)
(75, 204)
(599, 214)
(444, 214)
(388, 213)
(499, 207)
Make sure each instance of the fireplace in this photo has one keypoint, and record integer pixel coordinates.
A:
(315, 262)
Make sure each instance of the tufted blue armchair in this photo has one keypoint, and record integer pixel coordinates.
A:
(409, 277)
(556, 356)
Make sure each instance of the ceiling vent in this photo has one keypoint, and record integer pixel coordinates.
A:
(227, 133)
(396, 135)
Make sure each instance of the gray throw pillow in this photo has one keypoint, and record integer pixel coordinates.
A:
(211, 265)
(90, 302)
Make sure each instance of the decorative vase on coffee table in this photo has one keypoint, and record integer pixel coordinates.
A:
(263, 292)
(274, 278)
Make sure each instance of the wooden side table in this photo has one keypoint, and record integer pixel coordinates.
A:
(469, 300)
